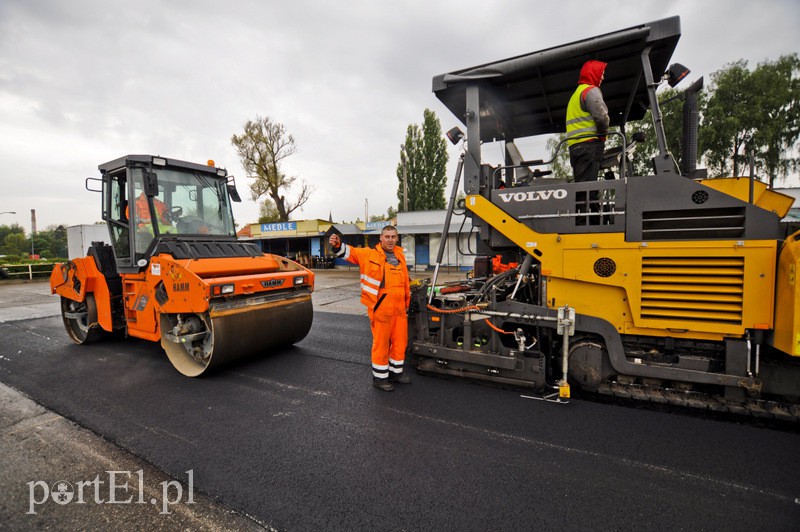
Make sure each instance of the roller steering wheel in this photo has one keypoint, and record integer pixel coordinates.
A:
(173, 214)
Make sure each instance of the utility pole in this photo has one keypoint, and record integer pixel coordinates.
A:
(366, 221)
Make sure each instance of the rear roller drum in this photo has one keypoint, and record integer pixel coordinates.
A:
(196, 343)
(80, 319)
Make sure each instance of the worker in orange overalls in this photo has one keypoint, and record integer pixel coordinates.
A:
(143, 214)
(386, 293)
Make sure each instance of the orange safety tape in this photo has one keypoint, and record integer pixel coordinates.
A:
(498, 329)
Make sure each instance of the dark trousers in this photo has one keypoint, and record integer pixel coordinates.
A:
(585, 159)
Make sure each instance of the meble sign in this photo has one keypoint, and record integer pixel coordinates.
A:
(533, 195)
(280, 226)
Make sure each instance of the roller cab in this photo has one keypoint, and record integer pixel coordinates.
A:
(175, 273)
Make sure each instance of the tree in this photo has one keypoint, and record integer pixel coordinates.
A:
(12, 246)
(6, 230)
(754, 112)
(390, 214)
(43, 243)
(425, 155)
(778, 89)
(268, 213)
(52, 242)
(16, 244)
(60, 243)
(671, 107)
(727, 127)
(261, 148)
(560, 166)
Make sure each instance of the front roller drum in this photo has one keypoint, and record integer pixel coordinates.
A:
(196, 343)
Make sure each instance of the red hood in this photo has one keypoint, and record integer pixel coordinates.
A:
(591, 72)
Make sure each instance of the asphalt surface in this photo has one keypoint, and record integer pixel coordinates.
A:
(299, 440)
(42, 450)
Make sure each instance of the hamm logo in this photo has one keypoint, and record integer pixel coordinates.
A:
(533, 195)
(272, 282)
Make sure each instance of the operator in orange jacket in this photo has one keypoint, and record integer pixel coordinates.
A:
(143, 214)
(386, 293)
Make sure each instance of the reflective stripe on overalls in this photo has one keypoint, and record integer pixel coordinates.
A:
(389, 323)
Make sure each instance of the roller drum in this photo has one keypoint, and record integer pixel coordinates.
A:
(232, 331)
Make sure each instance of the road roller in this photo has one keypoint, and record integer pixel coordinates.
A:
(665, 286)
(174, 272)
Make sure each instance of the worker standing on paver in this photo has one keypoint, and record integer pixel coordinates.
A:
(587, 122)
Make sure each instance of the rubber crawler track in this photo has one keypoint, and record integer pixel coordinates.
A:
(759, 408)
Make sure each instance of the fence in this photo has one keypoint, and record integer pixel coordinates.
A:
(39, 270)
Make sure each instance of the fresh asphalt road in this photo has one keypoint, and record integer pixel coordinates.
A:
(300, 440)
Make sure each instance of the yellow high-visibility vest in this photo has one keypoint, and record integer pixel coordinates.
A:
(579, 122)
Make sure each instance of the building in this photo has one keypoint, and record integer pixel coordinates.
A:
(420, 234)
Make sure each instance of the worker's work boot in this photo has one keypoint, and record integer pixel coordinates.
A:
(382, 384)
(399, 378)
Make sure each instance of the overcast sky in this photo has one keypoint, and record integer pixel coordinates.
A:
(83, 82)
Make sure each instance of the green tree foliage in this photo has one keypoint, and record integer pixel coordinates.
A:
(50, 243)
(390, 215)
(778, 87)
(671, 107)
(268, 213)
(6, 230)
(261, 148)
(754, 112)
(60, 248)
(729, 120)
(425, 155)
(15, 244)
(560, 166)
(43, 243)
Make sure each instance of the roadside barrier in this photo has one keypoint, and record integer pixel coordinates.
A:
(38, 270)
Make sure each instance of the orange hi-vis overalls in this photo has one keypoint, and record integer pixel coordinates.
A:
(143, 212)
(386, 293)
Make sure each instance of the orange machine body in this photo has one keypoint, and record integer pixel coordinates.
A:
(174, 286)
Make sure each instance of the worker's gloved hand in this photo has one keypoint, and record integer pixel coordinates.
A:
(335, 241)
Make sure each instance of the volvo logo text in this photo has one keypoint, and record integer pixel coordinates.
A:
(533, 195)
